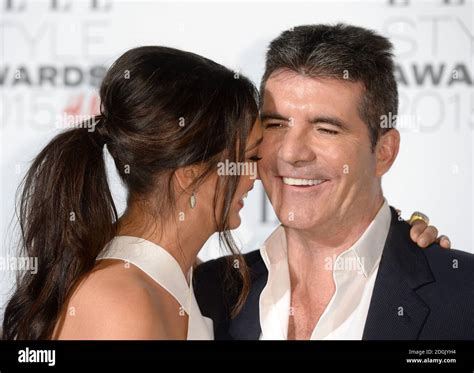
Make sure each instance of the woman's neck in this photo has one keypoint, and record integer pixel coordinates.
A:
(183, 239)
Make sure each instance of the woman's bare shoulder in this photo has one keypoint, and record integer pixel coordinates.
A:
(113, 301)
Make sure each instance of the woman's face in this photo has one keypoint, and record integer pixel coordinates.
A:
(248, 174)
(247, 171)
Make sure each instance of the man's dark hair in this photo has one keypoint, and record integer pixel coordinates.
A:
(342, 52)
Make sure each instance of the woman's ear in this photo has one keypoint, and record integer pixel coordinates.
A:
(185, 176)
(386, 151)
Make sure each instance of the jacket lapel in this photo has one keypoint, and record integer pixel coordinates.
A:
(246, 325)
(396, 310)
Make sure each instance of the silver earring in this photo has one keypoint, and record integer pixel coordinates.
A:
(192, 200)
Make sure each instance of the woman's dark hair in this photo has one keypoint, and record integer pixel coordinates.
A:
(161, 109)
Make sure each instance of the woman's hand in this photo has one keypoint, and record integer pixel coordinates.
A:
(424, 234)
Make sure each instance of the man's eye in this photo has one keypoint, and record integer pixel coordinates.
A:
(329, 132)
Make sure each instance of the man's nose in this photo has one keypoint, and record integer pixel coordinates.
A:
(296, 146)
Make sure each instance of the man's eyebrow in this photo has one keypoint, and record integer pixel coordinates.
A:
(272, 115)
(257, 143)
(330, 120)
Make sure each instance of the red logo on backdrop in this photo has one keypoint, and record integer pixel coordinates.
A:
(78, 105)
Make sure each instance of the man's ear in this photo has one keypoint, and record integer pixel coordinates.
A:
(386, 151)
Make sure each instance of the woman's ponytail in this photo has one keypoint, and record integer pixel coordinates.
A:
(67, 215)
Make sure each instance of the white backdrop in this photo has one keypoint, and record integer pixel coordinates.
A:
(74, 42)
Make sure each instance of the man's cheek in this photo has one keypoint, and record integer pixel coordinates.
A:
(341, 160)
(263, 170)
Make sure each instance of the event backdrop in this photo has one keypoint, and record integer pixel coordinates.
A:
(55, 53)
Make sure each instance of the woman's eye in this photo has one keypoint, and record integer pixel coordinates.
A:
(255, 158)
(273, 125)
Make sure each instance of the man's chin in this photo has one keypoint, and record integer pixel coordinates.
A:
(297, 220)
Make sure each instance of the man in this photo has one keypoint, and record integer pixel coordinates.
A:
(342, 264)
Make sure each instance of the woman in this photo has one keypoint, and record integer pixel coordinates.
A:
(168, 118)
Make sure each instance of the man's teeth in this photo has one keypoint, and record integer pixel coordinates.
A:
(292, 181)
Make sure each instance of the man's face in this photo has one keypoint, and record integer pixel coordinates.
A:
(317, 163)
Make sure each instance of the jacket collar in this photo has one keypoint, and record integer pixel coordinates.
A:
(396, 310)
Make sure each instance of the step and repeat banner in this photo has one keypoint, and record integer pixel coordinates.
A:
(54, 55)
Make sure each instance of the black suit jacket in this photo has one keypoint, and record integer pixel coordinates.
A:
(418, 294)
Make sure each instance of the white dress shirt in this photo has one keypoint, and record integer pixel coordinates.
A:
(354, 273)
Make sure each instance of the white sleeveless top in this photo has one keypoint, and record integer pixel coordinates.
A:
(163, 268)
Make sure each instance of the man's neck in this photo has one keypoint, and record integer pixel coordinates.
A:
(309, 251)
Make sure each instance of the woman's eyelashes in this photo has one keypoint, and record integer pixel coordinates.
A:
(255, 158)
(273, 125)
